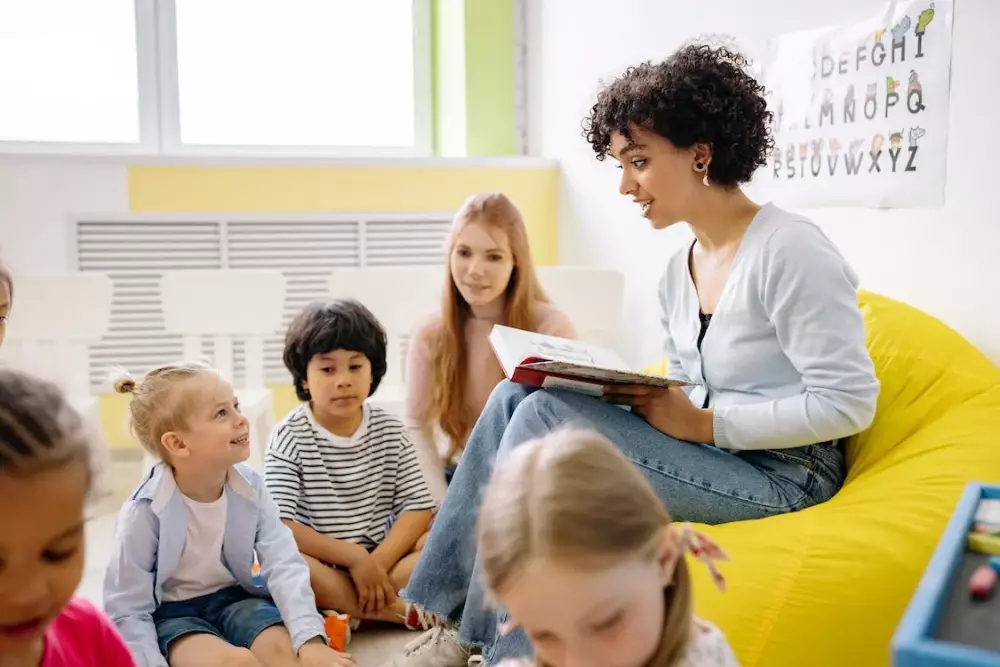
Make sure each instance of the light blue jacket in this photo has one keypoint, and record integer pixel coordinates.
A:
(784, 360)
(150, 536)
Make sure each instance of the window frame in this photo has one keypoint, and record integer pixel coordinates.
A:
(159, 107)
(146, 68)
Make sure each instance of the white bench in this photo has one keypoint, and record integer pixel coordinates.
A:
(53, 319)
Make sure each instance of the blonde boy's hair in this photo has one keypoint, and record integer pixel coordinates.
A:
(158, 405)
(571, 497)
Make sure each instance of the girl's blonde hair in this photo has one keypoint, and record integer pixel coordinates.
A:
(571, 497)
(157, 405)
(496, 212)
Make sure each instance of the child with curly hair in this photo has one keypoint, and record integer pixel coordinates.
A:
(45, 478)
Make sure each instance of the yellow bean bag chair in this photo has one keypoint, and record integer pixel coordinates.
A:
(827, 586)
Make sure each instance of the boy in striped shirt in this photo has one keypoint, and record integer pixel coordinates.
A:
(344, 473)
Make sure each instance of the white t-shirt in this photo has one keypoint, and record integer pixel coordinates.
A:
(708, 648)
(200, 570)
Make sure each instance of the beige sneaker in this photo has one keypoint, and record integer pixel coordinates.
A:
(438, 647)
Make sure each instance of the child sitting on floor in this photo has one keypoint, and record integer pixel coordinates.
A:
(180, 584)
(45, 477)
(580, 551)
(344, 473)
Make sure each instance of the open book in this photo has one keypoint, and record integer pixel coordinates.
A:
(548, 361)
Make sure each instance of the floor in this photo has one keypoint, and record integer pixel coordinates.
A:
(371, 648)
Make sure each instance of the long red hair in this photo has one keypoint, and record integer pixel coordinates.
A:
(496, 212)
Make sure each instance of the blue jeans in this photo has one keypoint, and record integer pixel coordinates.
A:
(231, 614)
(696, 482)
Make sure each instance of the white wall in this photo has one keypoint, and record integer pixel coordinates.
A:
(941, 260)
(39, 196)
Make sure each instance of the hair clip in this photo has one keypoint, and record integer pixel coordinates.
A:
(706, 550)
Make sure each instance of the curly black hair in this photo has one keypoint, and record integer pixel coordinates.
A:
(699, 95)
(321, 328)
(39, 429)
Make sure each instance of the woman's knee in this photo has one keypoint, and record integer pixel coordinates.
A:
(493, 422)
(542, 411)
(506, 396)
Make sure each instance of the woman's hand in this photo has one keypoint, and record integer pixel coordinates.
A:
(668, 410)
(314, 653)
(374, 588)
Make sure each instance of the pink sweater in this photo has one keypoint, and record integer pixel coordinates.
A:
(482, 370)
(81, 636)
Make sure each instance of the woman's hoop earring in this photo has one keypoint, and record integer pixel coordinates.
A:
(700, 166)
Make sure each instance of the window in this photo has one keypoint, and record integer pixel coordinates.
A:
(296, 72)
(69, 71)
(288, 77)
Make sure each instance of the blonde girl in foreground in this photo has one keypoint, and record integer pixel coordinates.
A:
(580, 551)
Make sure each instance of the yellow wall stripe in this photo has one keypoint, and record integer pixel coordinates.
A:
(391, 189)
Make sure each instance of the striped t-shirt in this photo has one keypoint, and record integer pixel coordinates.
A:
(345, 488)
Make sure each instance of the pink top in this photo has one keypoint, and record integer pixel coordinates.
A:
(482, 370)
(81, 636)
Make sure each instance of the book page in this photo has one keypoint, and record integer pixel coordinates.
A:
(505, 347)
(514, 346)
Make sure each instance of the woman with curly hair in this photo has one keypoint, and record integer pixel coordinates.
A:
(760, 314)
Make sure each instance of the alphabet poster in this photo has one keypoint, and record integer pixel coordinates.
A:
(861, 110)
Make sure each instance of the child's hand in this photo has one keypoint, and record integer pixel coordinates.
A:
(374, 588)
(317, 654)
(390, 590)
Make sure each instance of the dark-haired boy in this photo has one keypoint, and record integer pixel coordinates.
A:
(344, 473)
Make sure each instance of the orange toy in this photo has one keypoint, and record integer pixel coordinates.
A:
(338, 629)
(337, 626)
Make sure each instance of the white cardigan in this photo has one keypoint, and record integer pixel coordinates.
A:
(784, 360)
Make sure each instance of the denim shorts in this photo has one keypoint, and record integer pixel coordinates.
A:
(231, 614)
